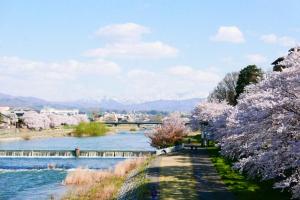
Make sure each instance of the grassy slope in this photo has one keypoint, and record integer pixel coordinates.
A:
(243, 188)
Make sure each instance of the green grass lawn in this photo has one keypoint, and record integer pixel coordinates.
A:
(193, 139)
(243, 188)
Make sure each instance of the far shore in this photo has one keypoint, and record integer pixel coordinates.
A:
(26, 134)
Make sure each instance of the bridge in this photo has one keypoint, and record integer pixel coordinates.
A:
(136, 123)
(74, 153)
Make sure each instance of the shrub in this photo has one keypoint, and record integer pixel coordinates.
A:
(132, 129)
(90, 129)
(26, 137)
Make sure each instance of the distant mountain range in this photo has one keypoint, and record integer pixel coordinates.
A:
(185, 105)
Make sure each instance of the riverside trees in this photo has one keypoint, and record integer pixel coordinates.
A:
(39, 121)
(262, 132)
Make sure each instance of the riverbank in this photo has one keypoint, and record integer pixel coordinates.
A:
(26, 134)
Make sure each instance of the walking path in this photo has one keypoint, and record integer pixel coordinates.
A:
(190, 175)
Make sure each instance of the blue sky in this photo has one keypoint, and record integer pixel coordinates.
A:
(137, 50)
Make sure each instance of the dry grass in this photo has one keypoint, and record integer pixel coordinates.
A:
(122, 168)
(82, 176)
(26, 137)
(100, 184)
(104, 190)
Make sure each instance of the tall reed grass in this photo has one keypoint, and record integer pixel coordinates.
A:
(100, 184)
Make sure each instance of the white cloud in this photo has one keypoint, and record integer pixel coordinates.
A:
(228, 34)
(144, 85)
(256, 58)
(194, 75)
(66, 80)
(56, 70)
(72, 79)
(123, 32)
(280, 40)
(270, 38)
(177, 82)
(125, 41)
(134, 50)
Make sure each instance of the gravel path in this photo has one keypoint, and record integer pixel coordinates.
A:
(176, 179)
(190, 175)
(209, 183)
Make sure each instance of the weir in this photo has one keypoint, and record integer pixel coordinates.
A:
(73, 153)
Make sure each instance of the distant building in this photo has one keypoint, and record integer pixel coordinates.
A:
(7, 118)
(59, 111)
(109, 117)
(4, 109)
(20, 111)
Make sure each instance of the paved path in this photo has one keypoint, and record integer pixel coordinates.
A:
(153, 176)
(190, 175)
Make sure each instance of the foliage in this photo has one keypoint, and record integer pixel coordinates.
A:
(90, 129)
(195, 139)
(66, 126)
(262, 132)
(248, 75)
(169, 133)
(132, 129)
(225, 90)
(243, 188)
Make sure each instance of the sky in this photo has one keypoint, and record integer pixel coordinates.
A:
(137, 50)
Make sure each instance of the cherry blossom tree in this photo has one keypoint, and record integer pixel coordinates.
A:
(39, 121)
(210, 117)
(262, 132)
(36, 121)
(169, 133)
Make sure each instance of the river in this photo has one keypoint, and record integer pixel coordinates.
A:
(30, 178)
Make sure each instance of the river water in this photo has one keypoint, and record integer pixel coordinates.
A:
(30, 178)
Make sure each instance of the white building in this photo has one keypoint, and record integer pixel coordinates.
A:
(59, 111)
(4, 109)
(7, 119)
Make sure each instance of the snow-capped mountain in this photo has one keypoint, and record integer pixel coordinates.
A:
(185, 105)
